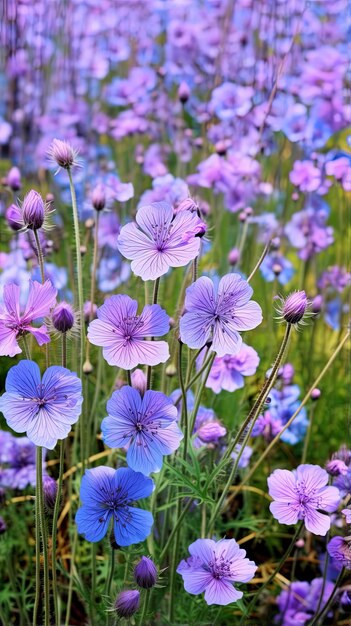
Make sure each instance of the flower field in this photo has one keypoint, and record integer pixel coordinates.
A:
(175, 435)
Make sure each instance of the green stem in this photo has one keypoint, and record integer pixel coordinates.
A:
(145, 608)
(154, 301)
(54, 529)
(252, 416)
(184, 417)
(260, 260)
(276, 571)
(207, 370)
(195, 268)
(172, 583)
(80, 300)
(175, 528)
(93, 282)
(303, 403)
(328, 604)
(40, 496)
(111, 572)
(40, 255)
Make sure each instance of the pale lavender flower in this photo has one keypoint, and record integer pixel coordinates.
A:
(217, 318)
(305, 176)
(122, 333)
(339, 548)
(300, 495)
(227, 372)
(14, 324)
(213, 568)
(157, 240)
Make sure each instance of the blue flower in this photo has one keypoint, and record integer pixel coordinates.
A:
(107, 493)
(44, 408)
(147, 424)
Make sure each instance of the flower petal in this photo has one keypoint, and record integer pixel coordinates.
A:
(133, 526)
(282, 485)
(221, 592)
(92, 522)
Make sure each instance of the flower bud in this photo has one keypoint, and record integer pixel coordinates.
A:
(63, 153)
(33, 210)
(14, 217)
(317, 304)
(63, 317)
(221, 148)
(234, 256)
(127, 603)
(87, 368)
(315, 393)
(13, 179)
(50, 492)
(183, 92)
(211, 432)
(139, 381)
(98, 198)
(171, 370)
(336, 467)
(295, 307)
(145, 573)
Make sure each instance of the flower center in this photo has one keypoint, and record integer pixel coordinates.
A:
(220, 567)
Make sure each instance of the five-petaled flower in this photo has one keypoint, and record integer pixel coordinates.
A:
(218, 317)
(107, 493)
(298, 495)
(159, 240)
(14, 324)
(44, 408)
(147, 425)
(213, 568)
(121, 332)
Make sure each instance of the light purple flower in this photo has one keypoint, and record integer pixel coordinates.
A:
(156, 242)
(298, 495)
(218, 317)
(43, 407)
(14, 324)
(121, 332)
(305, 176)
(347, 513)
(227, 372)
(213, 568)
(339, 548)
(147, 425)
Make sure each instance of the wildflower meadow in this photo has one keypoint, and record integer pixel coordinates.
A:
(175, 433)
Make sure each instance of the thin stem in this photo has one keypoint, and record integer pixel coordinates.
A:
(207, 369)
(175, 528)
(303, 403)
(129, 378)
(40, 255)
(40, 496)
(154, 301)
(80, 300)
(329, 602)
(54, 528)
(276, 571)
(26, 348)
(93, 281)
(172, 583)
(145, 608)
(195, 268)
(111, 572)
(184, 417)
(252, 416)
(259, 262)
(93, 582)
(37, 563)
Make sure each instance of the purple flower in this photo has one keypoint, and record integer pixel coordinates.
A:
(298, 604)
(276, 266)
(14, 324)
(299, 494)
(145, 573)
(227, 372)
(33, 210)
(17, 461)
(339, 548)
(127, 603)
(44, 408)
(305, 176)
(213, 568)
(347, 513)
(121, 332)
(230, 100)
(159, 242)
(107, 493)
(218, 317)
(294, 307)
(245, 455)
(307, 231)
(147, 425)
(62, 153)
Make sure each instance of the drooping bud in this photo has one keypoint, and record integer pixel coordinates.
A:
(63, 317)
(33, 210)
(139, 381)
(294, 307)
(13, 179)
(183, 92)
(98, 198)
(234, 256)
(63, 153)
(50, 492)
(127, 603)
(145, 573)
(14, 217)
